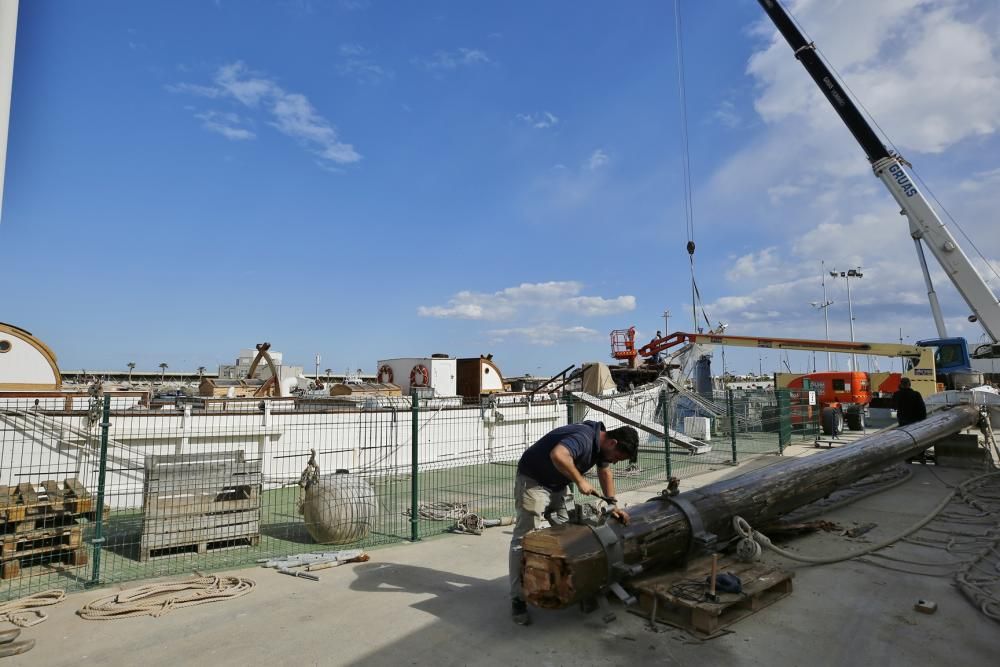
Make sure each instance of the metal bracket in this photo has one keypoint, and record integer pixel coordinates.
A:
(613, 550)
(702, 541)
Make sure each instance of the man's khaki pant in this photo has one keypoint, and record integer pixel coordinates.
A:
(534, 504)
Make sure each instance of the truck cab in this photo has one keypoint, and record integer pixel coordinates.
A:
(952, 363)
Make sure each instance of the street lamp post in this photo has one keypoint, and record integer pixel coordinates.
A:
(666, 322)
(847, 275)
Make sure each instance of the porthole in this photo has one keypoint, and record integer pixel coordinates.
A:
(5, 346)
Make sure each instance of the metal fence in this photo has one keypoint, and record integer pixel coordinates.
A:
(95, 490)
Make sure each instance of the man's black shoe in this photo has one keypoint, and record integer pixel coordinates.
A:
(519, 612)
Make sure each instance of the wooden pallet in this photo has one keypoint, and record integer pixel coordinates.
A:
(42, 545)
(200, 502)
(61, 560)
(28, 506)
(200, 548)
(762, 585)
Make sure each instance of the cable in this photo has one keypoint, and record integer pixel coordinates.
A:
(744, 530)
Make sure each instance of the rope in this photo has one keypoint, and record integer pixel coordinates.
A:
(157, 599)
(19, 612)
(976, 564)
(439, 511)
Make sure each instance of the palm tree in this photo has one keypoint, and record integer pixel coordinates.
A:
(163, 371)
(201, 373)
(131, 367)
(328, 371)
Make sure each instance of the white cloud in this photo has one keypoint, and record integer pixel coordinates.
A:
(597, 160)
(528, 298)
(930, 74)
(227, 124)
(727, 115)
(358, 63)
(539, 121)
(544, 334)
(451, 60)
(764, 264)
(291, 114)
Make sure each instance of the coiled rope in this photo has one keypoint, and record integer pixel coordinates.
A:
(157, 599)
(20, 612)
(439, 511)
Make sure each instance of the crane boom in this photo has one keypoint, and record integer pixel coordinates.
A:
(923, 356)
(925, 224)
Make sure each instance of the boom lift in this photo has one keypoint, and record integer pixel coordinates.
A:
(892, 170)
(843, 396)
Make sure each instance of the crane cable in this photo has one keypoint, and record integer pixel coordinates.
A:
(686, 163)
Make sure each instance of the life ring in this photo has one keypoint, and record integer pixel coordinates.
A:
(419, 376)
(385, 374)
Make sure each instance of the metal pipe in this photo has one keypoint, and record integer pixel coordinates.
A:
(564, 565)
(942, 331)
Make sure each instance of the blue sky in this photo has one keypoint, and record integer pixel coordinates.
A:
(365, 179)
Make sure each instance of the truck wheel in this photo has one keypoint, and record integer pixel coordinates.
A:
(832, 421)
(855, 421)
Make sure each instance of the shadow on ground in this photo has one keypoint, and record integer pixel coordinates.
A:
(473, 626)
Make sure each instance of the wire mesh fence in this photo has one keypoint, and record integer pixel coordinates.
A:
(102, 489)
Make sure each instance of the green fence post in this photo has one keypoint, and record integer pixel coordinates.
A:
(784, 419)
(665, 406)
(414, 466)
(732, 422)
(98, 540)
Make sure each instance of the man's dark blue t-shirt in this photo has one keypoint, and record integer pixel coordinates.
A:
(582, 442)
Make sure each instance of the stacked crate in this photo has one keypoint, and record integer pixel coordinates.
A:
(202, 502)
(40, 525)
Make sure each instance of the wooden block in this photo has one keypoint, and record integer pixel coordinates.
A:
(28, 494)
(10, 569)
(74, 486)
(762, 586)
(54, 493)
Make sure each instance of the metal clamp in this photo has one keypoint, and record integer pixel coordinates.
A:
(702, 541)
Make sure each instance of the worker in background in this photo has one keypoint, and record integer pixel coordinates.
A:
(909, 404)
(544, 473)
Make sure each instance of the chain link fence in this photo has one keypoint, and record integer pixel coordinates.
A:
(103, 489)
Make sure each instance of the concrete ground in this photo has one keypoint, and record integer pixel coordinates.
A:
(443, 602)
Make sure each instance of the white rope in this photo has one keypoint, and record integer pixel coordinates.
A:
(158, 599)
(19, 611)
(440, 511)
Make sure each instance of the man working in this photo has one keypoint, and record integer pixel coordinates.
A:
(544, 473)
(909, 404)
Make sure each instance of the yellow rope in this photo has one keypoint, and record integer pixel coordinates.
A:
(158, 599)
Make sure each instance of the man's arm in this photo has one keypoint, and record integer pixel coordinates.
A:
(562, 459)
(607, 480)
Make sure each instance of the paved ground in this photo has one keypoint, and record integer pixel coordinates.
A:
(442, 602)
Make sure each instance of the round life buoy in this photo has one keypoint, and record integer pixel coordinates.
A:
(419, 376)
(385, 374)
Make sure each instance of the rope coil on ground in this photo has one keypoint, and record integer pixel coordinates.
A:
(439, 511)
(19, 611)
(158, 599)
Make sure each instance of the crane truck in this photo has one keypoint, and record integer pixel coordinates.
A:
(925, 224)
